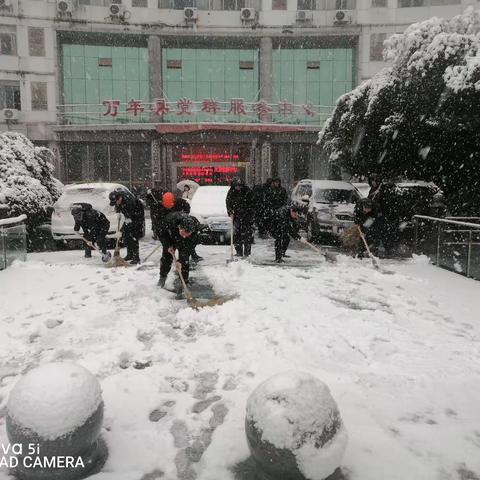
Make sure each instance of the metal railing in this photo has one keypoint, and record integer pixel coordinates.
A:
(13, 240)
(452, 243)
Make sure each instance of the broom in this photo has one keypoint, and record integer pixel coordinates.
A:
(191, 300)
(117, 260)
(372, 258)
(329, 256)
(351, 239)
(147, 257)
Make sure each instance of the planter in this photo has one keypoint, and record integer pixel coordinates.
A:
(55, 413)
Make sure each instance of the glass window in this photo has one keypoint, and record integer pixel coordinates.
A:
(305, 5)
(39, 96)
(376, 46)
(120, 163)
(379, 3)
(10, 95)
(411, 3)
(99, 155)
(8, 40)
(141, 163)
(140, 3)
(181, 4)
(335, 196)
(36, 42)
(279, 4)
(75, 155)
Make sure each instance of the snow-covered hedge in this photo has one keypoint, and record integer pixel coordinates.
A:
(27, 185)
(418, 117)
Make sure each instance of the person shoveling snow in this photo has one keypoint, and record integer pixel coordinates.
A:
(95, 226)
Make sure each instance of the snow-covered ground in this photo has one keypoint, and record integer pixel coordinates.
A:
(400, 354)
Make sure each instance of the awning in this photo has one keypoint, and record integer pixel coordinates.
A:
(165, 128)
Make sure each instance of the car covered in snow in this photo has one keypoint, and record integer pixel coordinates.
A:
(331, 204)
(208, 206)
(95, 194)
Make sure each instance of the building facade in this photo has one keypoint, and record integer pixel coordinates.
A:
(145, 91)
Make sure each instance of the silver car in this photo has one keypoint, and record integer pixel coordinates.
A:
(331, 206)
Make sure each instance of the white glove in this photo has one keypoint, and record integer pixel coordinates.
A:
(128, 221)
(303, 240)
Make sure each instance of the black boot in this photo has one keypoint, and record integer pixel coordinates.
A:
(88, 254)
(161, 282)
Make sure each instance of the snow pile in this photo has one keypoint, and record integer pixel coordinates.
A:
(26, 180)
(54, 399)
(296, 411)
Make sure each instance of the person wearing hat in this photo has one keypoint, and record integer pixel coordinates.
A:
(169, 204)
(284, 225)
(95, 226)
(241, 209)
(179, 235)
(133, 228)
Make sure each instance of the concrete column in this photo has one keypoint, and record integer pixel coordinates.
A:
(156, 154)
(155, 68)
(266, 159)
(266, 69)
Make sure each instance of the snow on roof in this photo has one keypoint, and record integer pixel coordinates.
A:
(210, 201)
(99, 186)
(290, 410)
(54, 399)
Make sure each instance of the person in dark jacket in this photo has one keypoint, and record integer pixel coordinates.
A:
(275, 197)
(368, 217)
(94, 225)
(283, 225)
(154, 200)
(260, 195)
(179, 234)
(241, 208)
(169, 204)
(375, 183)
(133, 228)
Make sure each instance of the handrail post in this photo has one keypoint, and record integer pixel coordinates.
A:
(438, 243)
(415, 220)
(469, 253)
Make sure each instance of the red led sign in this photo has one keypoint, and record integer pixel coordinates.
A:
(209, 157)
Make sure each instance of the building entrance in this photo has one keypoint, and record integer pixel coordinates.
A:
(211, 164)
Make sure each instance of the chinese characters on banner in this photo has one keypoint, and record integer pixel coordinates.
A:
(236, 106)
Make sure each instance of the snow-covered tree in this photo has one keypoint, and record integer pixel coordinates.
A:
(418, 118)
(27, 185)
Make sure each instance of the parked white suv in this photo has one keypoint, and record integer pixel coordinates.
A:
(96, 194)
(331, 205)
(208, 206)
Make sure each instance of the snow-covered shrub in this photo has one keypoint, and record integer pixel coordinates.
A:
(27, 185)
(425, 101)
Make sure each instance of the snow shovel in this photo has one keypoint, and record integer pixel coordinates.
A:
(329, 256)
(231, 259)
(193, 302)
(117, 260)
(89, 243)
(147, 257)
(375, 262)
